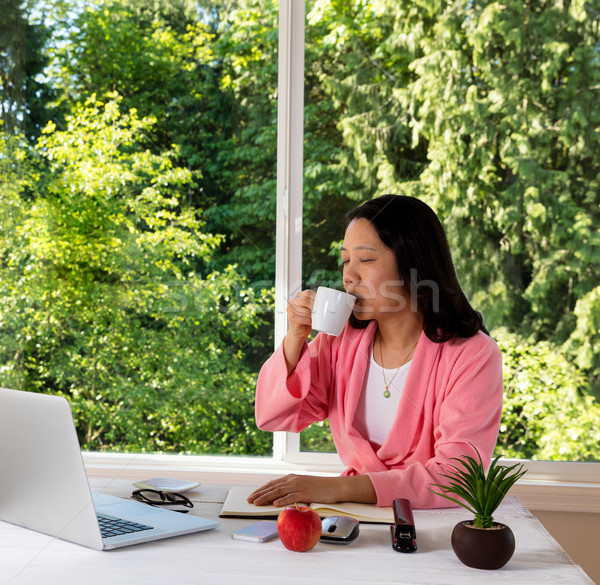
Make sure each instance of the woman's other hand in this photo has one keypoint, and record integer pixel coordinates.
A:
(291, 489)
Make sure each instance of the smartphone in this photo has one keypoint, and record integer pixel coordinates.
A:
(260, 531)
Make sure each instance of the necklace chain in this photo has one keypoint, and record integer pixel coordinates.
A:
(387, 384)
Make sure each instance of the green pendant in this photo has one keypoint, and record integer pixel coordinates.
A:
(386, 394)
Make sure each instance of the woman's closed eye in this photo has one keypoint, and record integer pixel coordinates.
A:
(361, 260)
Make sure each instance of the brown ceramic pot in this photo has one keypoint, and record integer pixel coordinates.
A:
(483, 548)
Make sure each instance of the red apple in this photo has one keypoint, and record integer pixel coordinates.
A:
(299, 527)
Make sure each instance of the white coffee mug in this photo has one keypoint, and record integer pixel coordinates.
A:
(331, 310)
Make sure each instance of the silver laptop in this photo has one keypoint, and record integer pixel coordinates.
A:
(44, 487)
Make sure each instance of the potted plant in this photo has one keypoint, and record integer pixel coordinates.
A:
(480, 543)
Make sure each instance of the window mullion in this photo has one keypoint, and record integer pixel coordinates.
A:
(290, 136)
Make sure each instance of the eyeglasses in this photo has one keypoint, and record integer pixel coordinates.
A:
(158, 498)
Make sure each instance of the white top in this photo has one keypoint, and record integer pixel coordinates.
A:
(375, 413)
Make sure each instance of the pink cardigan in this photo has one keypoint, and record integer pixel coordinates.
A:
(452, 397)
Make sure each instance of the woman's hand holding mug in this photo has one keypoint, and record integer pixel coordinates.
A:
(327, 310)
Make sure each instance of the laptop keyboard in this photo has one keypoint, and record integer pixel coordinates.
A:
(117, 526)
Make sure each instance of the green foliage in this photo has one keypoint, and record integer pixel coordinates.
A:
(487, 111)
(160, 59)
(547, 412)
(247, 46)
(504, 98)
(22, 61)
(584, 342)
(480, 493)
(132, 227)
(362, 52)
(317, 438)
(110, 302)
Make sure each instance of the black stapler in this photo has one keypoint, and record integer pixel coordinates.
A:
(404, 535)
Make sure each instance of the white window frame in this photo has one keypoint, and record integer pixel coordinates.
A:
(290, 136)
(548, 485)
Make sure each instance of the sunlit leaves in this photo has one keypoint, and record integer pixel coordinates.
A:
(547, 413)
(112, 300)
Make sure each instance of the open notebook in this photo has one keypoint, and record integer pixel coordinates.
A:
(236, 504)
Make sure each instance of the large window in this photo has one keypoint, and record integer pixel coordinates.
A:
(139, 276)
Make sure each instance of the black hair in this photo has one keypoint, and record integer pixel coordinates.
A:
(413, 232)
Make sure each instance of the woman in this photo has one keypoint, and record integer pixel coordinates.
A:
(413, 381)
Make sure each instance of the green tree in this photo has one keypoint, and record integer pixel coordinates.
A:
(487, 111)
(361, 53)
(24, 94)
(505, 97)
(110, 301)
(547, 413)
(159, 57)
(247, 46)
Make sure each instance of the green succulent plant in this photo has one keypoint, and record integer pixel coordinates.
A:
(481, 494)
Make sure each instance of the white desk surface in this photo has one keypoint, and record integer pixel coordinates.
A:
(213, 557)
